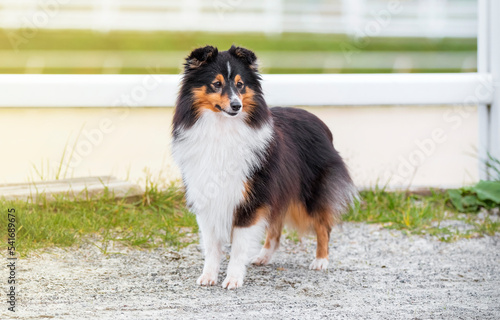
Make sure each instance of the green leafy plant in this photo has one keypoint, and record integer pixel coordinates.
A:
(485, 194)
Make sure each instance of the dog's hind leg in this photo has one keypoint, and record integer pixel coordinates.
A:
(322, 229)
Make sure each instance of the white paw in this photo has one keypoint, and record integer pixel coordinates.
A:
(319, 264)
(261, 260)
(207, 279)
(232, 282)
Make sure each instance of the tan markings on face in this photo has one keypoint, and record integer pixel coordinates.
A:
(247, 100)
(220, 78)
(246, 105)
(208, 101)
(237, 79)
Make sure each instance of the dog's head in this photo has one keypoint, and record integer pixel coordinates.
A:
(226, 83)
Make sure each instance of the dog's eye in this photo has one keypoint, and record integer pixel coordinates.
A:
(239, 85)
(217, 84)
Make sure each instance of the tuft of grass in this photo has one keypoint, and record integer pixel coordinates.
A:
(158, 217)
(292, 235)
(493, 165)
(485, 226)
(399, 209)
(418, 214)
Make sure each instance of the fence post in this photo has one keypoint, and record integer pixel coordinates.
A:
(488, 58)
(494, 58)
(483, 67)
(353, 16)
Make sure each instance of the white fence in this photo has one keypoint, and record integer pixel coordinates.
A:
(46, 90)
(360, 18)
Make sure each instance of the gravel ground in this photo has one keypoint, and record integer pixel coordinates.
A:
(374, 274)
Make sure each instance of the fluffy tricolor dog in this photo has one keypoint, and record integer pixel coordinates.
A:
(248, 168)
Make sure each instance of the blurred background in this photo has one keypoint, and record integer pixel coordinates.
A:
(288, 36)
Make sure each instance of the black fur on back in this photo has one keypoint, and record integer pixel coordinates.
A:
(302, 164)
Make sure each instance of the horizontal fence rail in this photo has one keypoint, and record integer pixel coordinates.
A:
(372, 18)
(154, 90)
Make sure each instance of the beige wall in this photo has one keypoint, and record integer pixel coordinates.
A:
(421, 145)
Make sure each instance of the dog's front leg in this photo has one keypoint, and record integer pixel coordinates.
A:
(213, 250)
(245, 239)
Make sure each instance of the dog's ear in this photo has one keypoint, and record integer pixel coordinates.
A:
(244, 55)
(200, 56)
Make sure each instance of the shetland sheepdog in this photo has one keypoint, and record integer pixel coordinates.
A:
(248, 168)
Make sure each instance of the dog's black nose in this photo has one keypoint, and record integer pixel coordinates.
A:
(235, 106)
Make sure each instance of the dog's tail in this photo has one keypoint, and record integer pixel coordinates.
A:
(342, 193)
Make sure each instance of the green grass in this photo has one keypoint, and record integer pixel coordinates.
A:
(398, 209)
(292, 235)
(417, 214)
(184, 41)
(127, 41)
(484, 226)
(493, 166)
(160, 218)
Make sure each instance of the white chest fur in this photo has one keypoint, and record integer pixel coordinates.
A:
(216, 157)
